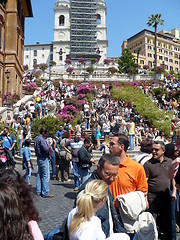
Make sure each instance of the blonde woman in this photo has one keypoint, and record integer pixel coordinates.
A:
(82, 222)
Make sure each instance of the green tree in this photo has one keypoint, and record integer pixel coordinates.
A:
(126, 62)
(153, 21)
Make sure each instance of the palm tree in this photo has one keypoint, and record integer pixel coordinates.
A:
(154, 20)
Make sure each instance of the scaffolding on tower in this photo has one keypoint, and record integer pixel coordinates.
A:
(83, 29)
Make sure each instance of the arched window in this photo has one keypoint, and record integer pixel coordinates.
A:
(34, 61)
(61, 20)
(35, 53)
(98, 19)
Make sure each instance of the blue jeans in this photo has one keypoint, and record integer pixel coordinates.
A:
(53, 163)
(84, 173)
(131, 142)
(28, 173)
(173, 216)
(20, 147)
(43, 174)
(10, 157)
(133, 236)
(76, 173)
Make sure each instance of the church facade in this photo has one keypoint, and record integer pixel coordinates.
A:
(79, 31)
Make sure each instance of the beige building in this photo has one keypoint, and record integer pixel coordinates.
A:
(12, 21)
(168, 49)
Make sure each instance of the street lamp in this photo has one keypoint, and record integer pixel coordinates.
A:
(7, 104)
(138, 51)
(50, 65)
(163, 65)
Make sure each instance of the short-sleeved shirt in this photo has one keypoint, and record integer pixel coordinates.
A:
(131, 177)
(8, 140)
(157, 174)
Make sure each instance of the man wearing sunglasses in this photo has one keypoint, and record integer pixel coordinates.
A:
(159, 189)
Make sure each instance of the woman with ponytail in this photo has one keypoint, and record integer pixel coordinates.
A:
(82, 222)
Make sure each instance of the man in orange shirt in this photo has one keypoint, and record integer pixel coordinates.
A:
(131, 175)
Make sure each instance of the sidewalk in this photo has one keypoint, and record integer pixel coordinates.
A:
(53, 210)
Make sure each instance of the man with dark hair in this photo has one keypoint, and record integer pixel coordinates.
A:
(159, 189)
(107, 170)
(85, 160)
(42, 149)
(9, 142)
(131, 175)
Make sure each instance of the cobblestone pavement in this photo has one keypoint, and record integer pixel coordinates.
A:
(53, 210)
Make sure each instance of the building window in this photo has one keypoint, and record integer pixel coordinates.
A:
(170, 53)
(160, 57)
(171, 68)
(43, 48)
(60, 58)
(35, 53)
(42, 55)
(165, 52)
(150, 64)
(51, 48)
(51, 57)
(166, 59)
(176, 55)
(175, 48)
(170, 60)
(61, 20)
(141, 61)
(160, 50)
(0, 35)
(34, 61)
(18, 45)
(176, 70)
(149, 47)
(166, 67)
(27, 56)
(176, 62)
(149, 55)
(98, 19)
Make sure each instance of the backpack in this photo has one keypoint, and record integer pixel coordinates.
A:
(147, 227)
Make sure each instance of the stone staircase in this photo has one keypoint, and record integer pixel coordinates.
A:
(95, 153)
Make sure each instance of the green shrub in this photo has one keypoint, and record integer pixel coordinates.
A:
(159, 92)
(51, 123)
(145, 107)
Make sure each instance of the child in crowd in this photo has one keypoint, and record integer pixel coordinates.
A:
(27, 164)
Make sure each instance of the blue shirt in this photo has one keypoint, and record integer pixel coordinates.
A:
(59, 133)
(41, 147)
(8, 141)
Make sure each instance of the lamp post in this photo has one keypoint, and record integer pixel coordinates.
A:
(7, 104)
(50, 65)
(138, 51)
(163, 64)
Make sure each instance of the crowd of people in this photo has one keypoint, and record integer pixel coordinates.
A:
(105, 196)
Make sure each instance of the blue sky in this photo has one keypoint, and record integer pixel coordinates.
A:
(124, 19)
